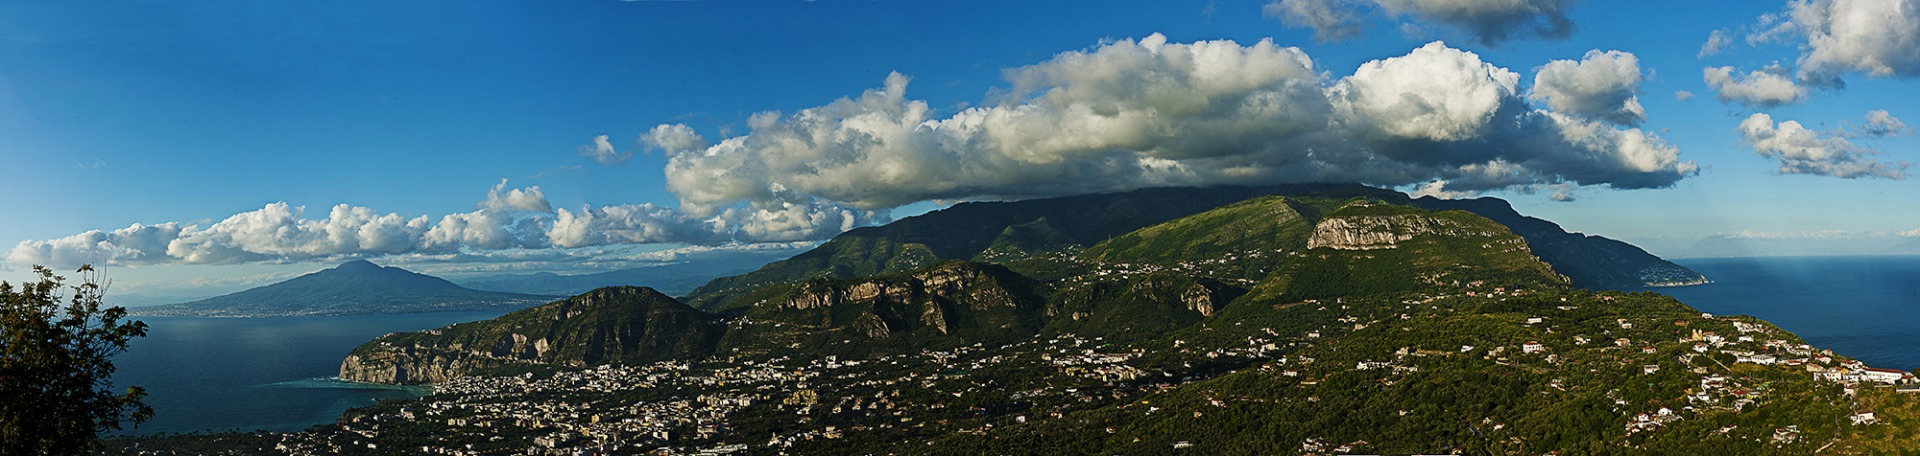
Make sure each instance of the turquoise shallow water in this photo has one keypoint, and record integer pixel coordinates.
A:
(216, 374)
(1864, 307)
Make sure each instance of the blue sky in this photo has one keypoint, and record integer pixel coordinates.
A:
(150, 112)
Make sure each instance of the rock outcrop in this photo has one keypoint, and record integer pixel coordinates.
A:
(931, 299)
(1370, 232)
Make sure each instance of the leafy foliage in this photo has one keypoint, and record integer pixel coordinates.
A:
(56, 365)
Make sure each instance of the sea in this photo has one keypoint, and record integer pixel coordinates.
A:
(272, 373)
(1865, 307)
(277, 374)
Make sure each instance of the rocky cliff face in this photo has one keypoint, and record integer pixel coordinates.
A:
(1383, 231)
(396, 365)
(615, 324)
(952, 302)
(927, 299)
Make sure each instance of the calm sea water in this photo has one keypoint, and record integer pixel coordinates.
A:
(1864, 307)
(217, 374)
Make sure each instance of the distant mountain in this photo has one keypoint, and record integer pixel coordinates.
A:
(1724, 246)
(353, 288)
(1907, 248)
(671, 279)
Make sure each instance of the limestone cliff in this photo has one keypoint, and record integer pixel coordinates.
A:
(1368, 232)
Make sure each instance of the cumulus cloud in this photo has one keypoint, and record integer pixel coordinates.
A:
(622, 224)
(1876, 37)
(1803, 151)
(1491, 22)
(1756, 89)
(1562, 192)
(280, 232)
(133, 244)
(1881, 124)
(1434, 93)
(602, 151)
(673, 138)
(1716, 41)
(1682, 95)
(509, 219)
(1132, 114)
(1601, 85)
(506, 219)
(1438, 189)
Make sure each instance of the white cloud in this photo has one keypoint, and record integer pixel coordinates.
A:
(1132, 114)
(1882, 124)
(513, 225)
(136, 244)
(1438, 189)
(625, 224)
(1716, 41)
(1435, 93)
(506, 219)
(278, 232)
(1803, 151)
(1601, 85)
(1757, 89)
(1682, 95)
(1562, 192)
(1490, 22)
(602, 151)
(790, 221)
(1876, 37)
(673, 138)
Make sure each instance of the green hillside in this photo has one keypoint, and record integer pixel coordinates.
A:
(971, 230)
(604, 326)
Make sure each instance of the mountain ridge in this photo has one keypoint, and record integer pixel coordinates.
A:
(1592, 262)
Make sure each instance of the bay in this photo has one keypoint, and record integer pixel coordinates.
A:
(1866, 307)
(274, 373)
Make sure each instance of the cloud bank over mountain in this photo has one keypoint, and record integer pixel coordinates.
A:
(1122, 115)
(1141, 113)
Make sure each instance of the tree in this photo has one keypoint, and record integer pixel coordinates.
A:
(56, 365)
